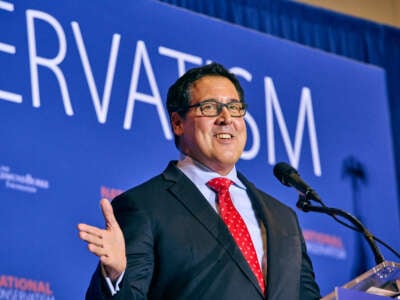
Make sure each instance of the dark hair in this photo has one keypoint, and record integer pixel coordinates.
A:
(179, 93)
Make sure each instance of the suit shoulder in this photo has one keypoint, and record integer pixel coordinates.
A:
(150, 191)
(275, 202)
(265, 197)
(145, 189)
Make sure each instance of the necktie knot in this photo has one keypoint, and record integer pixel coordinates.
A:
(220, 184)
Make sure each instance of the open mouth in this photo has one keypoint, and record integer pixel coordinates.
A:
(224, 136)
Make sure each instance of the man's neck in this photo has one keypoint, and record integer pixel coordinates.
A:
(186, 159)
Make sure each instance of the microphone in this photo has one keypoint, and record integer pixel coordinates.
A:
(289, 176)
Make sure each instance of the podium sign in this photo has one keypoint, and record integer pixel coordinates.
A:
(381, 282)
(346, 294)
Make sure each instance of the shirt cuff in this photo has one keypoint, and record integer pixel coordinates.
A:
(113, 287)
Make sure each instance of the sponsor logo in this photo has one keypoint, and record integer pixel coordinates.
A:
(323, 244)
(12, 287)
(109, 193)
(22, 182)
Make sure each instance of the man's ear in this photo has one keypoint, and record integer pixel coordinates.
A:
(177, 123)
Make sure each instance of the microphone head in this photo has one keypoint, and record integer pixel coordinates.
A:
(282, 170)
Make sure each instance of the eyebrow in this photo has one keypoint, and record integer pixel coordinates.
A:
(213, 99)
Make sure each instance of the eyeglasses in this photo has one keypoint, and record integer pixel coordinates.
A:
(213, 108)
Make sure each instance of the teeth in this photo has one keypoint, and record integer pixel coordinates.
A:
(224, 136)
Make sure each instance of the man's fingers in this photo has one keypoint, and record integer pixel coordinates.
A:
(108, 244)
(108, 213)
(96, 250)
(91, 239)
(90, 229)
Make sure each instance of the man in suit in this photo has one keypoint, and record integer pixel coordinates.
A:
(182, 236)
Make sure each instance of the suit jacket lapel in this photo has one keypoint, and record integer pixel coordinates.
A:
(181, 187)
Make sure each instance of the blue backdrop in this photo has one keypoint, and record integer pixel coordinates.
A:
(82, 111)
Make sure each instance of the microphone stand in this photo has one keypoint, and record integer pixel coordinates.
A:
(305, 205)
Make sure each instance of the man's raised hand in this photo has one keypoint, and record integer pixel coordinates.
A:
(108, 244)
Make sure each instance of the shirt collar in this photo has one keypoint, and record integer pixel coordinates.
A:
(201, 174)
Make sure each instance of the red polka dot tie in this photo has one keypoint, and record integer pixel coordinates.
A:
(236, 226)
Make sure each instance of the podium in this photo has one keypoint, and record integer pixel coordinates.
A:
(380, 282)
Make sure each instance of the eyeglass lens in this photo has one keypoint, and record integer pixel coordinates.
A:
(214, 108)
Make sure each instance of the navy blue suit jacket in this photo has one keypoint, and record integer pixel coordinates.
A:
(178, 247)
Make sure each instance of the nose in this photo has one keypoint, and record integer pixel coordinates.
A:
(224, 117)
